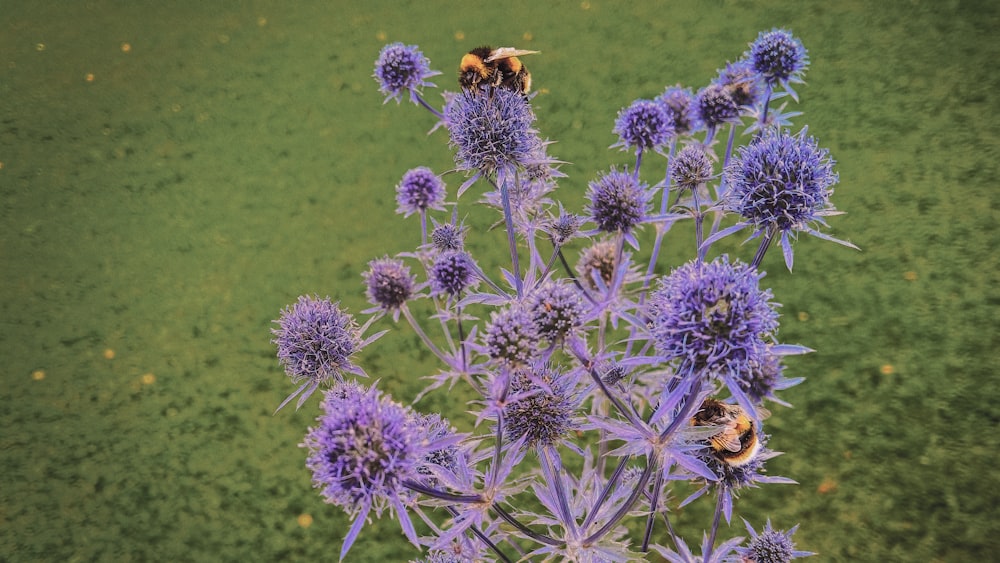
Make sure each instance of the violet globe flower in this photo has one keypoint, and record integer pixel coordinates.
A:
(315, 341)
(511, 337)
(680, 106)
(713, 320)
(619, 202)
(452, 273)
(691, 167)
(420, 190)
(362, 451)
(716, 106)
(770, 545)
(390, 284)
(557, 310)
(645, 125)
(781, 183)
(541, 407)
(779, 58)
(402, 68)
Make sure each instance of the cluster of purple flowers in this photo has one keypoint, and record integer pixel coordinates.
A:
(601, 383)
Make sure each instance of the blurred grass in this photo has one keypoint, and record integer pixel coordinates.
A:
(237, 155)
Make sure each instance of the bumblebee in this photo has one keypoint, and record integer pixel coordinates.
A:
(500, 68)
(737, 442)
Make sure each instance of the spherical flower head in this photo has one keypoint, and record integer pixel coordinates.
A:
(680, 106)
(541, 407)
(511, 337)
(492, 130)
(448, 237)
(778, 57)
(742, 81)
(419, 190)
(770, 545)
(715, 105)
(691, 167)
(645, 125)
(436, 428)
(597, 260)
(781, 181)
(557, 310)
(315, 340)
(390, 283)
(618, 201)
(563, 228)
(402, 68)
(712, 318)
(452, 272)
(361, 452)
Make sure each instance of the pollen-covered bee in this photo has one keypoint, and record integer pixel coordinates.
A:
(500, 68)
(737, 442)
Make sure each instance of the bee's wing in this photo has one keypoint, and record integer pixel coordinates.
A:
(728, 439)
(506, 53)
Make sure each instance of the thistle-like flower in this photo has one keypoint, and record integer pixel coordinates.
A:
(781, 183)
(492, 133)
(715, 106)
(712, 319)
(541, 407)
(779, 57)
(315, 341)
(770, 545)
(363, 450)
(691, 167)
(618, 202)
(390, 284)
(557, 310)
(645, 125)
(680, 105)
(452, 273)
(511, 337)
(402, 68)
(420, 190)
(742, 81)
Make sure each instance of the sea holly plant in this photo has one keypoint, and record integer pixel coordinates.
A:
(597, 384)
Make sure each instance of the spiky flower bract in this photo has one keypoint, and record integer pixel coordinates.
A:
(315, 341)
(452, 273)
(419, 190)
(492, 131)
(389, 282)
(645, 125)
(691, 167)
(541, 408)
(402, 68)
(712, 318)
(448, 236)
(618, 201)
(362, 451)
(770, 545)
(779, 57)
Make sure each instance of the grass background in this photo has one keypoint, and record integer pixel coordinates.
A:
(161, 202)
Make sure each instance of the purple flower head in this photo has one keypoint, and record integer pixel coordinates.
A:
(680, 106)
(557, 310)
(448, 236)
(541, 408)
(402, 68)
(452, 272)
(712, 319)
(781, 181)
(691, 167)
(419, 190)
(563, 228)
(742, 82)
(315, 341)
(778, 57)
(645, 125)
(492, 131)
(437, 428)
(597, 260)
(362, 452)
(770, 545)
(715, 105)
(390, 283)
(618, 201)
(511, 337)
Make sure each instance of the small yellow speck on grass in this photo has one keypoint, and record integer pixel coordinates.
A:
(148, 379)
(887, 369)
(89, 77)
(305, 520)
(38, 374)
(109, 354)
(910, 276)
(126, 47)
